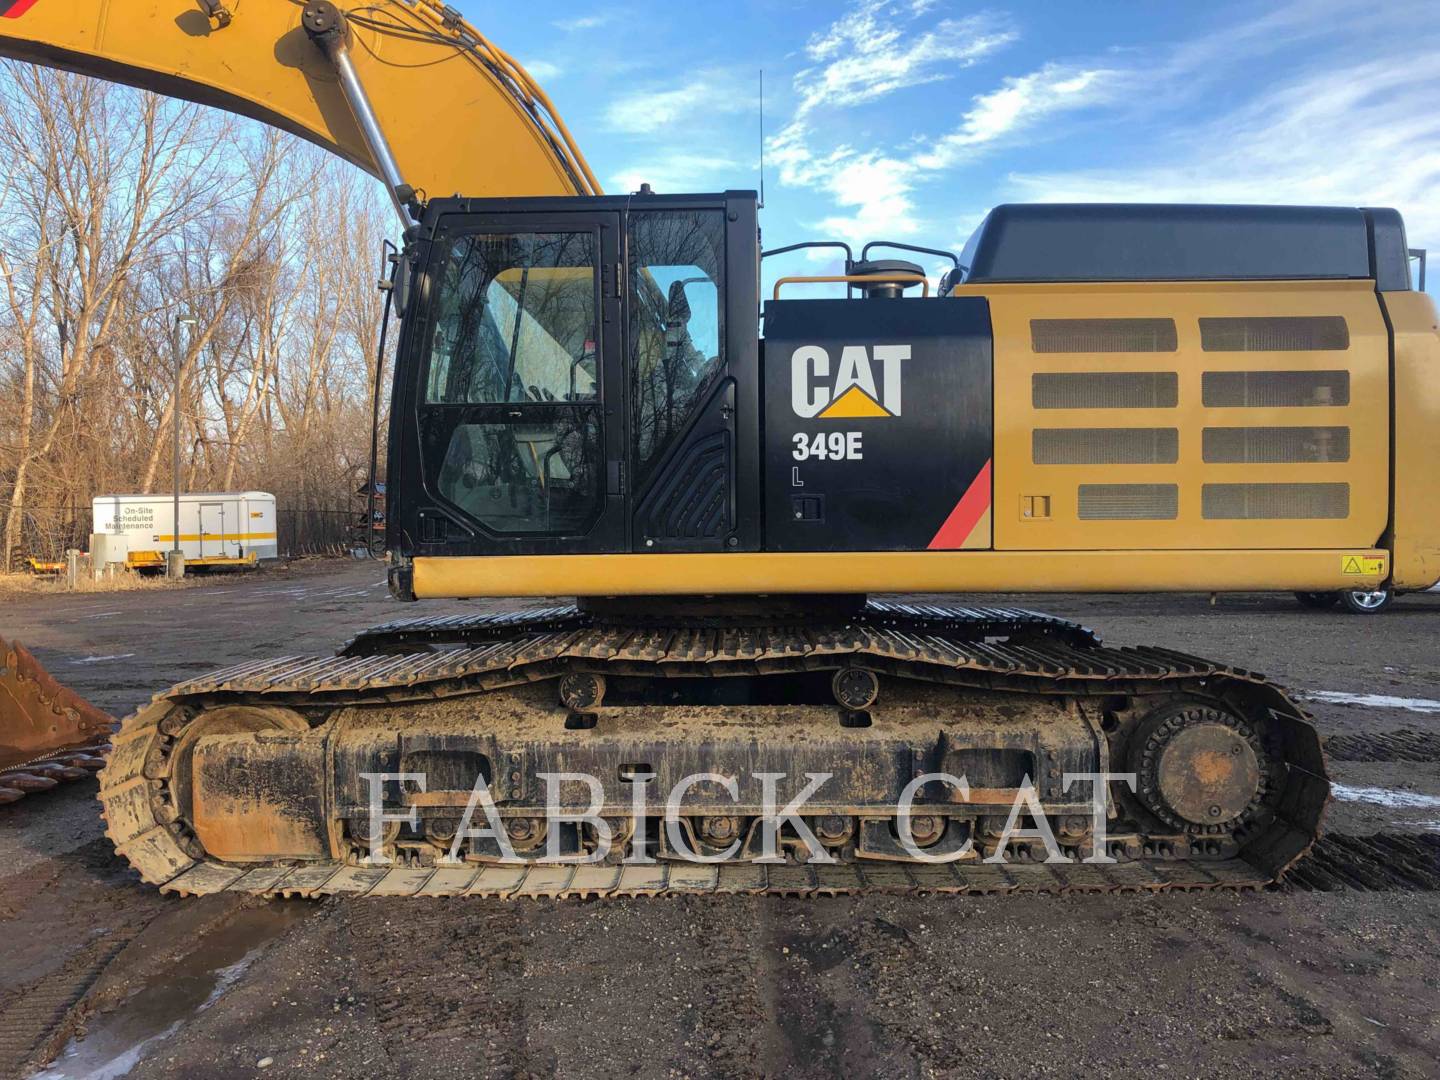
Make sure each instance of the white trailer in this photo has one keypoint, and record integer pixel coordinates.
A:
(225, 529)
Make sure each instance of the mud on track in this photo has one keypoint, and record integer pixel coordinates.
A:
(1339, 982)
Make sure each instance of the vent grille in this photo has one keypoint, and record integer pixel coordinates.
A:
(1251, 502)
(1129, 502)
(1105, 390)
(1272, 334)
(1102, 335)
(1105, 446)
(1239, 445)
(1274, 389)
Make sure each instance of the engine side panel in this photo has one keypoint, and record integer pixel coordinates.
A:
(1190, 416)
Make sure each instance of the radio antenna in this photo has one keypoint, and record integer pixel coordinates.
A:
(762, 139)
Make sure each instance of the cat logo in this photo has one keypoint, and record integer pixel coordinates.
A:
(13, 9)
(853, 393)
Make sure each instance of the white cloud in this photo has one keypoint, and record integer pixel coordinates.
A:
(878, 190)
(875, 189)
(1019, 104)
(584, 22)
(543, 71)
(669, 172)
(876, 49)
(870, 52)
(1367, 134)
(646, 113)
(1343, 114)
(872, 189)
(655, 109)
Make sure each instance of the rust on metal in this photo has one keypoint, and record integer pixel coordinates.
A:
(48, 733)
(1208, 774)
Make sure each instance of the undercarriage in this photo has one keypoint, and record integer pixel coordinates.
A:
(561, 751)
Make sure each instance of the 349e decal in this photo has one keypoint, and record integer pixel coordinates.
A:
(865, 386)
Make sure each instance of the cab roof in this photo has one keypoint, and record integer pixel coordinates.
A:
(1054, 242)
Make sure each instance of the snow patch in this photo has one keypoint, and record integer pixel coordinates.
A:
(1374, 701)
(1385, 797)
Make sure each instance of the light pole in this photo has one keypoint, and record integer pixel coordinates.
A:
(175, 558)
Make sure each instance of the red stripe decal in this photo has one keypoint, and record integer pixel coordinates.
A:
(966, 515)
(19, 7)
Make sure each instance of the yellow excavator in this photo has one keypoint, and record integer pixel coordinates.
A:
(1117, 397)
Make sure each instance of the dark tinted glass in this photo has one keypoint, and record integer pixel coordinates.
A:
(539, 475)
(677, 330)
(516, 321)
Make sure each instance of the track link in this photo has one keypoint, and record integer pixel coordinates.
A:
(450, 631)
(966, 649)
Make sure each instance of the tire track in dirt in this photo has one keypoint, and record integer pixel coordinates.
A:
(36, 1020)
(81, 932)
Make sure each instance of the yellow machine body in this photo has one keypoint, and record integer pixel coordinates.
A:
(1223, 477)
(254, 779)
(1198, 488)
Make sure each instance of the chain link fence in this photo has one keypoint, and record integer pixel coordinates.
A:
(316, 530)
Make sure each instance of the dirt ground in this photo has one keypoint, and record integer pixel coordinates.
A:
(1332, 984)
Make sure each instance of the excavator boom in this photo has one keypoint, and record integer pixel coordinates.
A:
(257, 58)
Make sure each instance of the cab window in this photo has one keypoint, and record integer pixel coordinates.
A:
(516, 321)
(676, 325)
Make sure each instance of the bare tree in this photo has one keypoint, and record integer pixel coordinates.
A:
(123, 213)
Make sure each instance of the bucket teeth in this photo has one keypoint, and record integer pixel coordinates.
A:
(48, 733)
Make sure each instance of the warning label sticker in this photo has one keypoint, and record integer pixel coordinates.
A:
(1362, 564)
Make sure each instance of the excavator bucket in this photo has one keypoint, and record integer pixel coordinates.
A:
(48, 734)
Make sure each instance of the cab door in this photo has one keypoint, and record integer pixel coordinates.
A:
(519, 409)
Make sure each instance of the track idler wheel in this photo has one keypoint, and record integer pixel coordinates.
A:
(1199, 768)
(855, 688)
(580, 690)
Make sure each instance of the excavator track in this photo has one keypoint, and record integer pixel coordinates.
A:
(449, 631)
(499, 673)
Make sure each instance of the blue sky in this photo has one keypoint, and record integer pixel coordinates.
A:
(908, 119)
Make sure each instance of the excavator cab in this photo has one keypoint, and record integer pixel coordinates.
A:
(578, 376)
(584, 377)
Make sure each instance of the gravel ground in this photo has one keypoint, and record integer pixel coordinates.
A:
(1340, 984)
